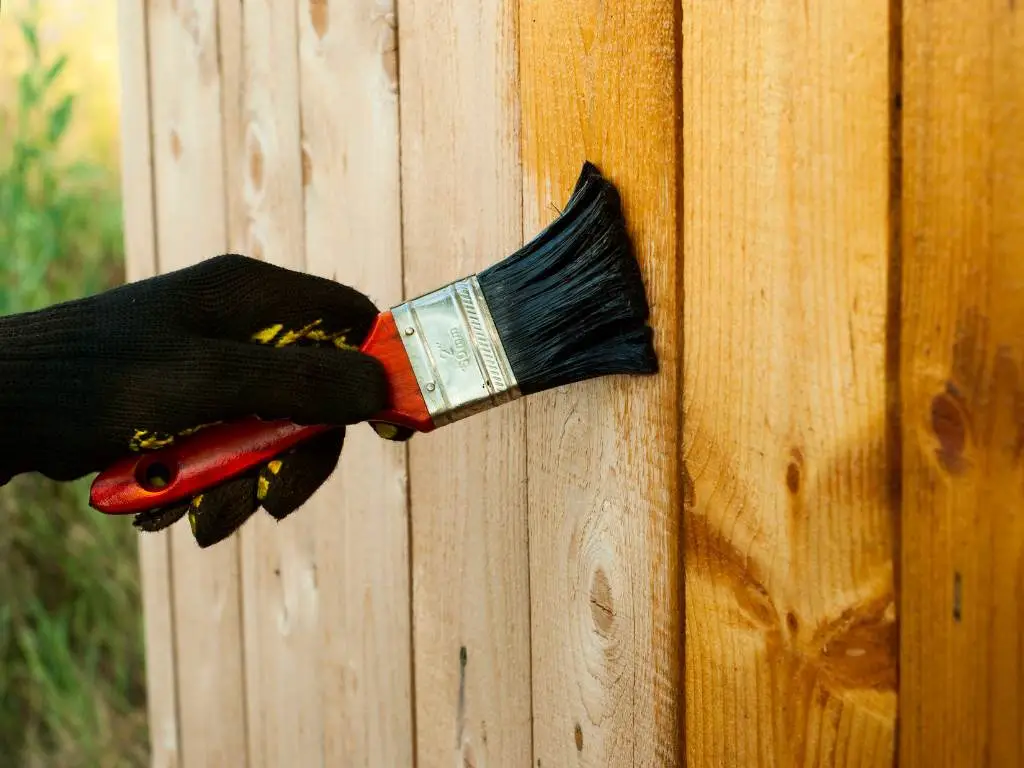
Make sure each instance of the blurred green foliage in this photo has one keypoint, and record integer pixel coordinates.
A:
(72, 677)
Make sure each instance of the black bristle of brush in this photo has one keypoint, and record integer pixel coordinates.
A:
(570, 304)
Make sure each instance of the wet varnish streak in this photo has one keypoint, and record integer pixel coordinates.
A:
(599, 82)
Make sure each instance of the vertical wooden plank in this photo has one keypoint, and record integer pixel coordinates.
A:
(791, 641)
(232, 80)
(462, 205)
(328, 666)
(279, 566)
(600, 82)
(962, 660)
(140, 263)
(348, 70)
(190, 225)
(136, 145)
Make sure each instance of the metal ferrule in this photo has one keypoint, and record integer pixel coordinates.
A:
(455, 352)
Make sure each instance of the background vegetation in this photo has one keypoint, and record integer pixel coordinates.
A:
(71, 644)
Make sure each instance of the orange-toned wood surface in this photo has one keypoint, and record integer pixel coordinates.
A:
(791, 635)
(962, 339)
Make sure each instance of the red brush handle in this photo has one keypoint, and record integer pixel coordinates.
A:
(209, 457)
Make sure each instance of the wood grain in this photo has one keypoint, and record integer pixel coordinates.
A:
(279, 565)
(462, 207)
(353, 234)
(599, 81)
(232, 99)
(962, 659)
(189, 181)
(140, 262)
(791, 641)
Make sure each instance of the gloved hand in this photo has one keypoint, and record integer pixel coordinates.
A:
(134, 368)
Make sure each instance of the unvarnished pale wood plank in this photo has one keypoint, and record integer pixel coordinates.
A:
(600, 82)
(190, 216)
(462, 190)
(790, 612)
(140, 263)
(348, 71)
(962, 657)
(280, 585)
(232, 74)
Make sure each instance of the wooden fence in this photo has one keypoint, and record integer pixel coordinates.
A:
(801, 544)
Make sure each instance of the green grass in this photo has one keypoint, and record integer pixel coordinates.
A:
(72, 684)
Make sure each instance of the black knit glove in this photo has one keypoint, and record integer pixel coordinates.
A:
(131, 369)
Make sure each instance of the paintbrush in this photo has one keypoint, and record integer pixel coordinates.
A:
(566, 307)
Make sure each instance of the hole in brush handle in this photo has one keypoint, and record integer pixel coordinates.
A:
(155, 474)
(187, 468)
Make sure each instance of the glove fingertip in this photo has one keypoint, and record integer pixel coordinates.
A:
(287, 483)
(215, 515)
(154, 520)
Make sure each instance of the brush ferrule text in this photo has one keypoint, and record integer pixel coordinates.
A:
(455, 352)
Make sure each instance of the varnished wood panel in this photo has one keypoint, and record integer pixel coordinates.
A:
(962, 345)
(791, 640)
